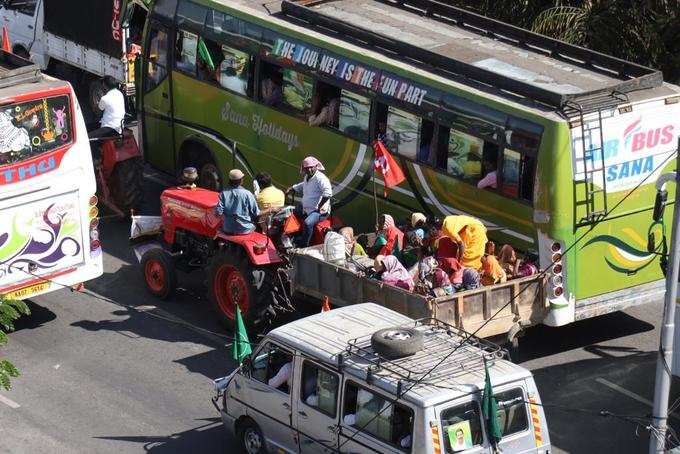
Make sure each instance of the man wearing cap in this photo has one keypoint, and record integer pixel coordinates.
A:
(316, 195)
(238, 206)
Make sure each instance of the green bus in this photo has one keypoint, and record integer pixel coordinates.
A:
(576, 138)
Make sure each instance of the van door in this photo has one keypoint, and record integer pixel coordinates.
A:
(19, 18)
(156, 100)
(316, 408)
(269, 392)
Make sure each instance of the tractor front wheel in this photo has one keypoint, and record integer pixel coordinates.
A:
(230, 283)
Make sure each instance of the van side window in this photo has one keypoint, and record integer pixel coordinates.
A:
(380, 417)
(274, 366)
(319, 388)
(512, 411)
(23, 6)
(461, 427)
(186, 46)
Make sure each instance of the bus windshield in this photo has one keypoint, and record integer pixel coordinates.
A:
(31, 128)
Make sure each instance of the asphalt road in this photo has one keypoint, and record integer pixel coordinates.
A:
(115, 370)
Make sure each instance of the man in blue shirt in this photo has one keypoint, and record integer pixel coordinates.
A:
(238, 206)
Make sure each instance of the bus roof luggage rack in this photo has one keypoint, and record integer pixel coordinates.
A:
(440, 340)
(16, 70)
(628, 76)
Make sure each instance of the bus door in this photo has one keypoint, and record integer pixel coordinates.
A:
(156, 101)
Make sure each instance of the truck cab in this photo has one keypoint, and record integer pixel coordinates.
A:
(361, 379)
(23, 20)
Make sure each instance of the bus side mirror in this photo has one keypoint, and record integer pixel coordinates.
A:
(659, 205)
(651, 243)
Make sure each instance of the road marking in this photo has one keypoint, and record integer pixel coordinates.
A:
(9, 402)
(630, 394)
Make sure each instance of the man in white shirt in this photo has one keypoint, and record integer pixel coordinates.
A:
(282, 376)
(113, 106)
(316, 196)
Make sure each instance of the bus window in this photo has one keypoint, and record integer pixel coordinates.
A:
(463, 156)
(185, 52)
(527, 183)
(297, 90)
(427, 147)
(402, 132)
(233, 72)
(158, 49)
(511, 172)
(208, 56)
(271, 85)
(29, 129)
(189, 13)
(354, 115)
(325, 106)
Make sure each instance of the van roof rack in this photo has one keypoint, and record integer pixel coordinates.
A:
(616, 75)
(440, 339)
(15, 70)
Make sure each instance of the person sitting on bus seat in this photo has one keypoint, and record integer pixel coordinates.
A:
(189, 178)
(270, 197)
(393, 272)
(270, 89)
(470, 235)
(490, 180)
(228, 77)
(328, 114)
(390, 239)
(238, 206)
(316, 192)
(492, 271)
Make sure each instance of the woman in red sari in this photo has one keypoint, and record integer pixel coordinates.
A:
(390, 238)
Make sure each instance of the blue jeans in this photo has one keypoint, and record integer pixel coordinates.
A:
(310, 222)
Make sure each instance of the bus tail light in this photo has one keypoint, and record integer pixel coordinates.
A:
(557, 280)
(95, 244)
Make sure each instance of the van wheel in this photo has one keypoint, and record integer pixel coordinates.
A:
(251, 439)
(397, 342)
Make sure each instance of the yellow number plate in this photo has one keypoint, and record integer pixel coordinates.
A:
(27, 291)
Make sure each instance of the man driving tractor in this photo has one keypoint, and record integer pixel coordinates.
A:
(316, 192)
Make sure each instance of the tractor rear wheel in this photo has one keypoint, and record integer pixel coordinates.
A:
(125, 185)
(230, 282)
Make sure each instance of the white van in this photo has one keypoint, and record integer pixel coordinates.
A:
(341, 381)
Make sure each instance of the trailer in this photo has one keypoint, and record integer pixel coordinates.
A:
(511, 306)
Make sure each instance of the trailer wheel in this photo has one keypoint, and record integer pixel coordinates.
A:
(159, 273)
(125, 184)
(397, 342)
(230, 283)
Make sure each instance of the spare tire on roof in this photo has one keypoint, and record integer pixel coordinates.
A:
(397, 342)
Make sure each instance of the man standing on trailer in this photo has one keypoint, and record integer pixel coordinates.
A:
(238, 206)
(316, 195)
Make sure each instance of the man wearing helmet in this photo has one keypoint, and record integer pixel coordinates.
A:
(316, 191)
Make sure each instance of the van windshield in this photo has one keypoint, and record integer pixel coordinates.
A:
(31, 128)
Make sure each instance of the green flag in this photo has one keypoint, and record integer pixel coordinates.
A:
(241, 346)
(490, 409)
(205, 55)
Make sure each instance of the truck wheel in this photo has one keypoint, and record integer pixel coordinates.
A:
(125, 184)
(397, 342)
(250, 439)
(230, 283)
(159, 273)
(96, 90)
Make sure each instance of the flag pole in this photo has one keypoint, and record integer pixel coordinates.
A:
(375, 195)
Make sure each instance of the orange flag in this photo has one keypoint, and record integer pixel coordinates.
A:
(387, 166)
(326, 305)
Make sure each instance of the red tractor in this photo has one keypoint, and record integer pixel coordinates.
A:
(249, 270)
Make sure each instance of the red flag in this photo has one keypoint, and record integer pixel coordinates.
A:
(386, 164)
(5, 41)
(326, 305)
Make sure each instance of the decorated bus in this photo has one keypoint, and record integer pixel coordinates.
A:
(48, 234)
(573, 139)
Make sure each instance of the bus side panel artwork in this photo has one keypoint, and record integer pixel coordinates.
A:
(40, 238)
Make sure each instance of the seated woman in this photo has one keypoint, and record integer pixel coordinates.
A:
(492, 271)
(352, 247)
(390, 240)
(470, 235)
(392, 272)
(508, 260)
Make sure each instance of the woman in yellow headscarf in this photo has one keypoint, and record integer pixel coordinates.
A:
(470, 234)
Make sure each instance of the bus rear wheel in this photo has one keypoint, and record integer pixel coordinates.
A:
(125, 184)
(209, 176)
(230, 284)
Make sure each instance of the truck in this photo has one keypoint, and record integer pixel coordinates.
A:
(82, 47)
